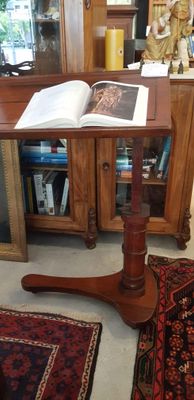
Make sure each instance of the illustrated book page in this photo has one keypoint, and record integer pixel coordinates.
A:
(116, 104)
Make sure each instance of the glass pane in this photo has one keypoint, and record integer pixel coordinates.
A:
(45, 182)
(16, 32)
(5, 235)
(46, 31)
(30, 31)
(156, 156)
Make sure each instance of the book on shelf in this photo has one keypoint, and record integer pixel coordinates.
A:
(36, 154)
(64, 197)
(52, 159)
(43, 146)
(75, 104)
(128, 174)
(54, 188)
(40, 190)
(126, 151)
(163, 161)
(129, 167)
(189, 48)
(126, 160)
(30, 193)
(191, 44)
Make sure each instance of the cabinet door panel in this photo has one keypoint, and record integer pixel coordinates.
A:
(80, 171)
(114, 176)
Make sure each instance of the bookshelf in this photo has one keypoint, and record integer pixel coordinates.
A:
(79, 216)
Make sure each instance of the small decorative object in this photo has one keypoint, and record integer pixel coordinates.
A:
(163, 62)
(180, 68)
(170, 69)
(114, 49)
(142, 62)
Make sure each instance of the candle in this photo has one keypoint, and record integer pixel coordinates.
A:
(114, 49)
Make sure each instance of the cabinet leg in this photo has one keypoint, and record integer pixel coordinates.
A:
(185, 234)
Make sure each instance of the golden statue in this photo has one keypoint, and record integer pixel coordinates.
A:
(165, 32)
(181, 19)
(158, 43)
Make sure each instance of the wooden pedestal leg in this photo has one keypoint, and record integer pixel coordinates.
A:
(132, 291)
(134, 250)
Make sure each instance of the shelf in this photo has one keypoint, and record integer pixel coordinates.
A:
(151, 181)
(41, 20)
(54, 167)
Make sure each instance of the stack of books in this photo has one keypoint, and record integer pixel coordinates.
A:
(124, 164)
(45, 192)
(43, 152)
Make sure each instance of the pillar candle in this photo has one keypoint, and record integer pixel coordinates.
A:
(114, 49)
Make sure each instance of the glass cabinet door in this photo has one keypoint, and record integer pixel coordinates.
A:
(46, 21)
(32, 32)
(58, 186)
(44, 172)
(12, 226)
(114, 182)
(156, 155)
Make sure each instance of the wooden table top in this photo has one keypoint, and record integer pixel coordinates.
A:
(15, 93)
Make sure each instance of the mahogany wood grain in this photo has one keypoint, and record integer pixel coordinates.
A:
(134, 311)
(84, 35)
(133, 290)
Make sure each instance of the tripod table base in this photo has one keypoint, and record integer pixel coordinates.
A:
(134, 310)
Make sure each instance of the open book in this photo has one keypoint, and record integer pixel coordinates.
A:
(74, 104)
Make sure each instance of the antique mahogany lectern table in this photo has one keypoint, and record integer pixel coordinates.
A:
(132, 291)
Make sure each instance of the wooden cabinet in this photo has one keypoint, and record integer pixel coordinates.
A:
(95, 192)
(80, 214)
(122, 17)
(169, 199)
(68, 35)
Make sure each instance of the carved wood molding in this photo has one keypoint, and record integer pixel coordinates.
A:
(121, 11)
(121, 17)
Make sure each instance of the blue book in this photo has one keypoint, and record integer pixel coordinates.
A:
(123, 167)
(44, 160)
(33, 154)
(191, 42)
(163, 162)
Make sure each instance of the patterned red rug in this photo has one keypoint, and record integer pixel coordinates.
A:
(47, 356)
(164, 367)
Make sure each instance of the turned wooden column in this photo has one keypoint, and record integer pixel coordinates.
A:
(134, 237)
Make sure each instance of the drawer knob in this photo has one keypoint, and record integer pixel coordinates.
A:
(105, 166)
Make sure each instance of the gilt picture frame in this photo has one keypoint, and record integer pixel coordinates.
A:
(12, 223)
